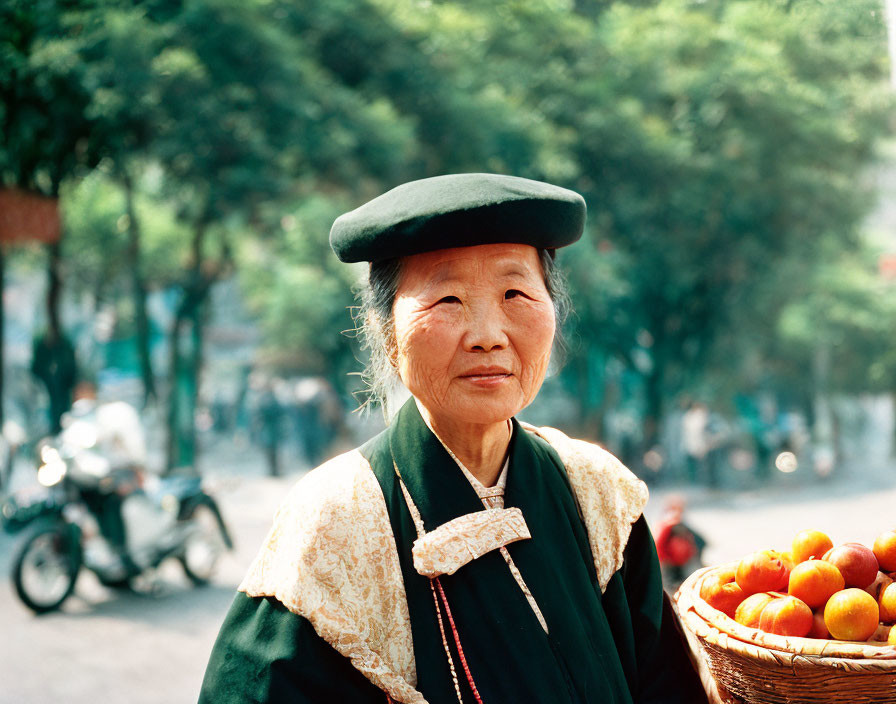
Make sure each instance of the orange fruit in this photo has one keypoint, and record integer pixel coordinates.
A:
(787, 616)
(879, 584)
(856, 563)
(892, 639)
(885, 550)
(814, 581)
(721, 592)
(887, 603)
(750, 609)
(808, 544)
(851, 614)
(818, 630)
(787, 559)
(761, 571)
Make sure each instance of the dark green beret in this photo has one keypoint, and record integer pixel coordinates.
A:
(459, 210)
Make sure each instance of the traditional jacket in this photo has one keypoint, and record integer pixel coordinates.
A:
(557, 597)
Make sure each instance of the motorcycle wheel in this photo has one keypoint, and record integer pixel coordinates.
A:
(45, 569)
(204, 547)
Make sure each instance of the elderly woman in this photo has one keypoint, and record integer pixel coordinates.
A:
(459, 556)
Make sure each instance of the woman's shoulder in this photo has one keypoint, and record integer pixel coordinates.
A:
(338, 492)
(317, 521)
(589, 460)
(609, 495)
(330, 557)
(331, 525)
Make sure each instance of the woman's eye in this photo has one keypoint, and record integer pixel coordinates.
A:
(512, 293)
(449, 299)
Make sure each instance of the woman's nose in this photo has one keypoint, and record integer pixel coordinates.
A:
(485, 331)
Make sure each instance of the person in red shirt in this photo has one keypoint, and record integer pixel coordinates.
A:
(678, 546)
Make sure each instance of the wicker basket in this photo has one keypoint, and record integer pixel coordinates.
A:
(752, 667)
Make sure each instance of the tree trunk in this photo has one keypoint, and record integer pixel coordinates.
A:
(172, 451)
(185, 364)
(138, 291)
(53, 356)
(582, 395)
(598, 385)
(183, 394)
(822, 428)
(195, 365)
(57, 366)
(2, 327)
(54, 288)
(661, 350)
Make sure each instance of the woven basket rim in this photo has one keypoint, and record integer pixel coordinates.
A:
(712, 625)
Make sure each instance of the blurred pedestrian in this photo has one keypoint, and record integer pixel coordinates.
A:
(270, 415)
(718, 447)
(678, 546)
(695, 439)
(318, 417)
(109, 458)
(53, 363)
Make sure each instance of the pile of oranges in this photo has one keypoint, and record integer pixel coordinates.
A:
(814, 590)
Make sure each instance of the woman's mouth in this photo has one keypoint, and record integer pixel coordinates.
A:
(486, 377)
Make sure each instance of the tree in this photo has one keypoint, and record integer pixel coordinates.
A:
(46, 135)
(718, 143)
(303, 296)
(120, 44)
(98, 247)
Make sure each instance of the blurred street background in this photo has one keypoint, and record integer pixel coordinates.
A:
(169, 171)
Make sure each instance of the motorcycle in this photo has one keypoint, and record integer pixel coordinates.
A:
(169, 517)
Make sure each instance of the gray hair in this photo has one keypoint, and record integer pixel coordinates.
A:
(376, 324)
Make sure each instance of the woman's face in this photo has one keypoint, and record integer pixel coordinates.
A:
(473, 328)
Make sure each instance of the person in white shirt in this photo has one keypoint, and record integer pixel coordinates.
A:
(109, 461)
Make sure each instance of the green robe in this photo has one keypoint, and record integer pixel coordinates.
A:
(619, 646)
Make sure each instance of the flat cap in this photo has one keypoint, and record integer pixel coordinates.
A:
(459, 210)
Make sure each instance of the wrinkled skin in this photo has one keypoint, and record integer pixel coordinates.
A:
(473, 330)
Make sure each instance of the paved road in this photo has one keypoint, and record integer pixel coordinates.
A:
(140, 647)
(152, 646)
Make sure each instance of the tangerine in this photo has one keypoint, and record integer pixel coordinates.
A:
(787, 616)
(815, 581)
(818, 630)
(721, 592)
(887, 603)
(885, 550)
(851, 614)
(808, 544)
(761, 571)
(750, 609)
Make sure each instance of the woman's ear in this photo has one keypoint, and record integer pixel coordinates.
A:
(392, 348)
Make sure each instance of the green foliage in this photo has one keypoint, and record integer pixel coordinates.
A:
(46, 133)
(303, 295)
(94, 245)
(95, 242)
(720, 145)
(850, 313)
(719, 142)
